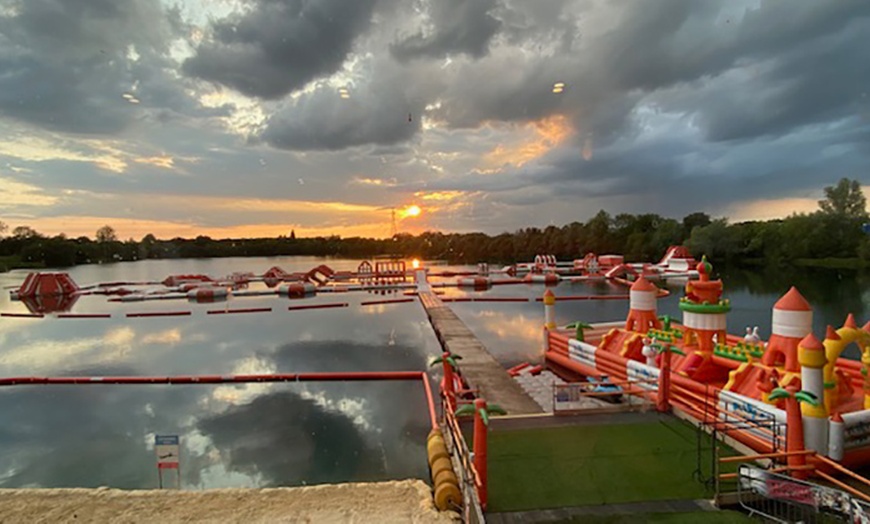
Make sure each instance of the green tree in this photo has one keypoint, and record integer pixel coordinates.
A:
(845, 199)
(599, 231)
(693, 220)
(24, 232)
(714, 240)
(106, 234)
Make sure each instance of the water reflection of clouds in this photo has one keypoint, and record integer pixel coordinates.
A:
(520, 334)
(169, 337)
(50, 354)
(103, 435)
(237, 394)
(56, 443)
(305, 443)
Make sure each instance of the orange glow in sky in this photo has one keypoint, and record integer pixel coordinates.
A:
(547, 133)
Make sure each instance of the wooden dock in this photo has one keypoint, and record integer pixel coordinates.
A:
(478, 366)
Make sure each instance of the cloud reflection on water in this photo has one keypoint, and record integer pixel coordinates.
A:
(231, 435)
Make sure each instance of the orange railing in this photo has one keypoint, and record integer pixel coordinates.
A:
(810, 454)
(842, 469)
(687, 399)
(463, 455)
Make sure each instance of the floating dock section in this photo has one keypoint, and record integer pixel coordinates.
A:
(478, 367)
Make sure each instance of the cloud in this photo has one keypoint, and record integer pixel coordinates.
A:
(668, 167)
(13, 194)
(321, 121)
(692, 105)
(66, 65)
(275, 47)
(385, 107)
(454, 26)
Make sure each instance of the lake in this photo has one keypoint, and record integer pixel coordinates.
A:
(282, 434)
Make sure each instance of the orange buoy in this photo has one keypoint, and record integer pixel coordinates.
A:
(447, 496)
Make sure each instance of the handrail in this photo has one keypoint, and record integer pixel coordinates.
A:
(808, 467)
(747, 458)
(686, 405)
(710, 403)
(842, 485)
(430, 402)
(843, 469)
(465, 459)
(778, 469)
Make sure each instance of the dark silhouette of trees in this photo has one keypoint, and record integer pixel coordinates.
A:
(832, 232)
(846, 199)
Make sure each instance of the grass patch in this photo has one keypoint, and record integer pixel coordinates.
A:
(594, 464)
(707, 517)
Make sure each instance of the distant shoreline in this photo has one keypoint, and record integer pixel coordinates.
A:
(14, 262)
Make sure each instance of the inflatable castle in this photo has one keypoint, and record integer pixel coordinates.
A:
(714, 374)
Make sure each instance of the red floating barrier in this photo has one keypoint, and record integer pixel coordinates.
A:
(84, 315)
(388, 301)
(242, 310)
(456, 299)
(587, 297)
(214, 379)
(22, 315)
(536, 370)
(514, 371)
(177, 280)
(317, 306)
(159, 314)
(500, 299)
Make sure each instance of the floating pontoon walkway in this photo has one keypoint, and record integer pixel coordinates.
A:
(478, 367)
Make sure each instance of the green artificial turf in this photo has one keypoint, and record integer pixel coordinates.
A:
(594, 464)
(707, 517)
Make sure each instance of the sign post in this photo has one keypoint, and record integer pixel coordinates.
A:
(167, 450)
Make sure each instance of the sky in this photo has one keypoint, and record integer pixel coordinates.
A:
(239, 118)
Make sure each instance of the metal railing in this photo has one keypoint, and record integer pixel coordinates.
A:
(781, 498)
(630, 393)
(469, 481)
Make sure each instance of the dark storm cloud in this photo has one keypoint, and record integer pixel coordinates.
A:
(813, 58)
(66, 65)
(382, 115)
(758, 100)
(277, 46)
(677, 172)
(532, 23)
(822, 81)
(458, 26)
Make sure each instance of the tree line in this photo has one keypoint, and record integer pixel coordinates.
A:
(835, 231)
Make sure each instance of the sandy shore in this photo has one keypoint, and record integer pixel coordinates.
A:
(382, 502)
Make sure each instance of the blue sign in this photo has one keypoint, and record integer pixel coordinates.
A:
(165, 440)
(866, 228)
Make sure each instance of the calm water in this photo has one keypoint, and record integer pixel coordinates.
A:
(279, 434)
